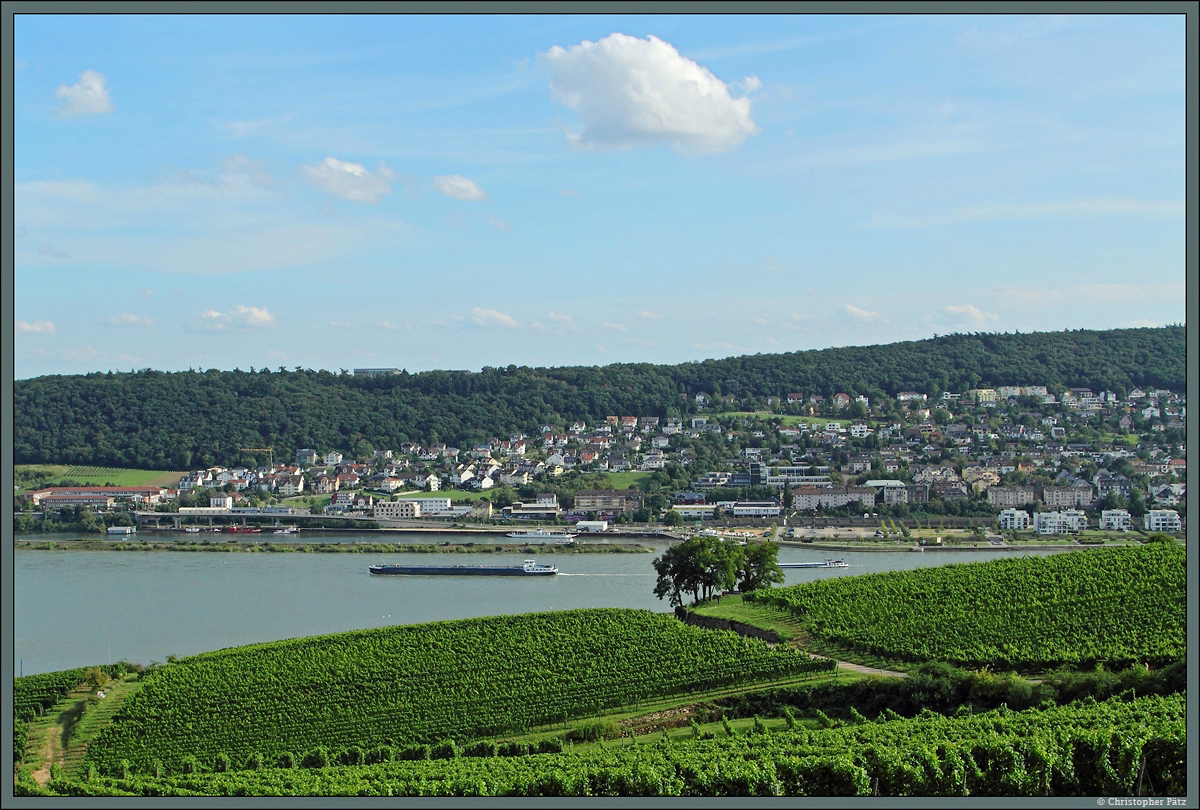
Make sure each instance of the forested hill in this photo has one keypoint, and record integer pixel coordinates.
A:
(183, 420)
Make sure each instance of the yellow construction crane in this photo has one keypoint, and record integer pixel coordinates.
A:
(268, 450)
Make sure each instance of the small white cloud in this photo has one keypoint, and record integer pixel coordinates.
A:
(88, 96)
(259, 126)
(250, 317)
(491, 317)
(46, 250)
(862, 314)
(128, 319)
(147, 293)
(972, 312)
(558, 316)
(616, 327)
(1139, 323)
(567, 192)
(498, 224)
(650, 316)
(35, 328)
(240, 317)
(350, 181)
(84, 352)
(459, 187)
(630, 92)
(1084, 208)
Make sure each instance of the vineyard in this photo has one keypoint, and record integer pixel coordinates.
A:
(1116, 606)
(1111, 748)
(422, 684)
(34, 694)
(117, 476)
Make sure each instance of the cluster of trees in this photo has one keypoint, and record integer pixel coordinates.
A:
(159, 420)
(705, 565)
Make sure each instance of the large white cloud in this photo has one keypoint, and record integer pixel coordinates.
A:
(459, 187)
(88, 96)
(631, 92)
(350, 181)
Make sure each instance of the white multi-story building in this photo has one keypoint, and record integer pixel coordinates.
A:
(431, 506)
(1014, 519)
(1162, 520)
(832, 497)
(1068, 520)
(697, 511)
(1116, 520)
(751, 508)
(403, 508)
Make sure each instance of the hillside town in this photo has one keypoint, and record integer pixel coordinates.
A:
(1051, 462)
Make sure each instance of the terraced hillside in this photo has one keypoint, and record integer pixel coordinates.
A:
(1111, 748)
(1114, 606)
(422, 684)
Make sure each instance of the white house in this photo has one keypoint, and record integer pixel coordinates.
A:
(1068, 520)
(1014, 519)
(1162, 520)
(1116, 520)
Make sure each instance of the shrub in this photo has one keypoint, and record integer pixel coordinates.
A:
(595, 731)
(446, 749)
(384, 753)
(414, 752)
(550, 745)
(515, 749)
(316, 758)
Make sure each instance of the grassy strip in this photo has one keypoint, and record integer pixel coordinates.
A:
(627, 480)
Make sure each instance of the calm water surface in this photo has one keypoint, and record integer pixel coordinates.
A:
(77, 608)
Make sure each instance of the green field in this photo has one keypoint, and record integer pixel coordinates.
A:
(452, 494)
(790, 419)
(625, 480)
(39, 475)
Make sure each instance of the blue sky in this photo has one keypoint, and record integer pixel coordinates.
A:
(464, 191)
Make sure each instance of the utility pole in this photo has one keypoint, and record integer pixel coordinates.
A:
(270, 453)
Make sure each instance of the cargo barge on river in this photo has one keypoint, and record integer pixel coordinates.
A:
(822, 564)
(529, 568)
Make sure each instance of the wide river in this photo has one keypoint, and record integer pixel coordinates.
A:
(78, 608)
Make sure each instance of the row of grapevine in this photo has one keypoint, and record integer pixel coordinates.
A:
(423, 683)
(1110, 748)
(33, 694)
(1104, 605)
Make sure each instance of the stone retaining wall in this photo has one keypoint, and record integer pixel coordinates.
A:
(687, 617)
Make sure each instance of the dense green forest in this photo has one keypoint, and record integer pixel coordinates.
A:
(183, 420)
